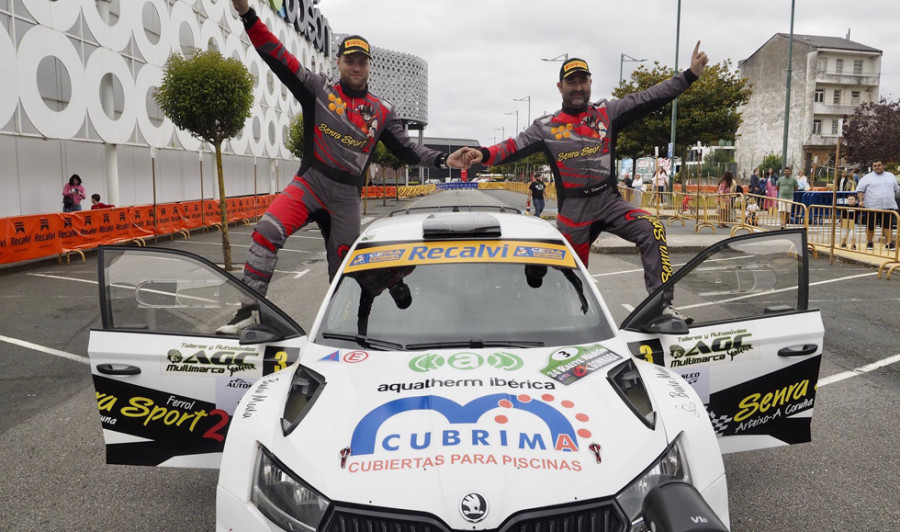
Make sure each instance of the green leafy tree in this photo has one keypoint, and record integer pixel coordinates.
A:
(717, 163)
(873, 132)
(294, 140)
(771, 161)
(707, 111)
(210, 97)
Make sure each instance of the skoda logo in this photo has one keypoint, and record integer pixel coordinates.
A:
(473, 507)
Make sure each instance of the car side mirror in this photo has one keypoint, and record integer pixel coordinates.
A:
(260, 333)
(666, 325)
(679, 507)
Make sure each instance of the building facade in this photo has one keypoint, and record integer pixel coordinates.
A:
(77, 98)
(831, 77)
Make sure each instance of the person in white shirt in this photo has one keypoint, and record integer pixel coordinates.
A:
(878, 190)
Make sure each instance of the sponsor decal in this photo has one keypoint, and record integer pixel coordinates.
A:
(333, 357)
(769, 404)
(259, 396)
(277, 358)
(473, 507)
(174, 424)
(659, 233)
(230, 390)
(354, 357)
(465, 361)
(488, 430)
(398, 387)
(650, 350)
(410, 254)
(572, 364)
(210, 360)
(711, 348)
(677, 392)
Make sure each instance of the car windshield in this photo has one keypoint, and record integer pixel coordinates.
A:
(458, 305)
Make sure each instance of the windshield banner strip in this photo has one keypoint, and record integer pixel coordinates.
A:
(460, 251)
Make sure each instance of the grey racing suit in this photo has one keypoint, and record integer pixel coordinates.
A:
(580, 146)
(341, 128)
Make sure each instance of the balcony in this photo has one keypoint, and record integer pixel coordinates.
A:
(820, 140)
(820, 108)
(832, 78)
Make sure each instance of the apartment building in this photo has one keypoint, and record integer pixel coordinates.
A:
(830, 78)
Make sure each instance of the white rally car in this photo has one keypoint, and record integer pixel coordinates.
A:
(463, 373)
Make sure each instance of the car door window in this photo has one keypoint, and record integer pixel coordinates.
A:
(162, 291)
(743, 277)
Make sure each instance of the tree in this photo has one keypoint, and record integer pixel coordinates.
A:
(771, 161)
(210, 97)
(873, 132)
(294, 140)
(707, 111)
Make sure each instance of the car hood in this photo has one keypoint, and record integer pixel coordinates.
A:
(523, 428)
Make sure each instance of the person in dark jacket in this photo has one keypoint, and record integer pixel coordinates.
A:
(579, 141)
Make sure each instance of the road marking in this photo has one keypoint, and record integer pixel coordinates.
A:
(627, 307)
(60, 277)
(42, 349)
(301, 274)
(247, 246)
(858, 371)
(769, 292)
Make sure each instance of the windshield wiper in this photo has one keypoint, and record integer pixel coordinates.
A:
(365, 341)
(474, 344)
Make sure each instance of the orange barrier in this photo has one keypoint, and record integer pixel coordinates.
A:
(44, 235)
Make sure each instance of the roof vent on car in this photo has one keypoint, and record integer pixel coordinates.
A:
(474, 225)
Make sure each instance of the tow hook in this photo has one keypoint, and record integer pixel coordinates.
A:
(345, 452)
(595, 448)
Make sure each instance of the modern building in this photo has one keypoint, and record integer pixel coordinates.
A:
(77, 98)
(830, 78)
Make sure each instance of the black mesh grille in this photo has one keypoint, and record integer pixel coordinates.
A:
(587, 517)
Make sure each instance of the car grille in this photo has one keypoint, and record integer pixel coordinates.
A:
(586, 517)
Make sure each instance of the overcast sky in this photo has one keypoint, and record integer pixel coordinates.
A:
(482, 54)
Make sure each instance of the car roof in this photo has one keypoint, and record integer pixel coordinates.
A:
(411, 225)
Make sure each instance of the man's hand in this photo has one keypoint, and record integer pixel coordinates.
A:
(242, 6)
(463, 158)
(698, 60)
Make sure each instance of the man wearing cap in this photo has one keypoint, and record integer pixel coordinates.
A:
(343, 122)
(580, 143)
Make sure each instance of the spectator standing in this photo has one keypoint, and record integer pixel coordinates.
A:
(73, 193)
(802, 182)
(726, 187)
(536, 194)
(771, 190)
(756, 184)
(848, 222)
(786, 185)
(878, 190)
(637, 185)
(97, 204)
(627, 181)
(660, 183)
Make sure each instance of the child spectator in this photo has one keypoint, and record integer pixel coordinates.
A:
(751, 212)
(848, 223)
(96, 204)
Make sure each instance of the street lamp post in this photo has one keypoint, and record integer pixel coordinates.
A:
(561, 57)
(528, 98)
(671, 150)
(787, 93)
(516, 112)
(622, 59)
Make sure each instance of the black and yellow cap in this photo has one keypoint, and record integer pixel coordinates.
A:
(572, 66)
(354, 44)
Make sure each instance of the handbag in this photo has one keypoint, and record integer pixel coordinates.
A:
(68, 200)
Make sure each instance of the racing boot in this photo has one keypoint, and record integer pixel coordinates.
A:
(246, 316)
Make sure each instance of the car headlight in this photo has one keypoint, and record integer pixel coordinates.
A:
(284, 498)
(671, 465)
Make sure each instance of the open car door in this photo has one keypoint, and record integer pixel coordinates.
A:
(167, 384)
(752, 352)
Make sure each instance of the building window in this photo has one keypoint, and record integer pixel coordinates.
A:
(854, 97)
(817, 127)
(857, 67)
(821, 65)
(838, 65)
(837, 97)
(820, 96)
(834, 126)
